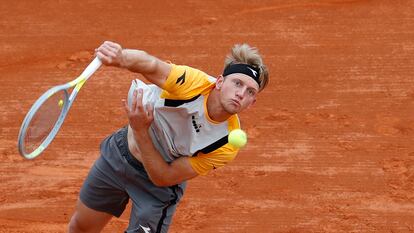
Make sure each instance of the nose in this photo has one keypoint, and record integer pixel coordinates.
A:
(241, 92)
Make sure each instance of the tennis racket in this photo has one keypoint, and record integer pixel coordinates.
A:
(47, 114)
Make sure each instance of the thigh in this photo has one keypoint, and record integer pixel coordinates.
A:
(150, 218)
(103, 189)
(152, 207)
(86, 219)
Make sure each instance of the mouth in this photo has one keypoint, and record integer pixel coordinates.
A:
(236, 102)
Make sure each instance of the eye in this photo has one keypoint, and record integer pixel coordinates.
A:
(237, 83)
(251, 92)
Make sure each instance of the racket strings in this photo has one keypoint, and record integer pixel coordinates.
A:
(43, 121)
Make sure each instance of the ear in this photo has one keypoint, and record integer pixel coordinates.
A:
(219, 82)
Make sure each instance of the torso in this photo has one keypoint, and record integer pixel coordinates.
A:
(132, 145)
(182, 125)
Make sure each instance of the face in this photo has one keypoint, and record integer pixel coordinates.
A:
(237, 92)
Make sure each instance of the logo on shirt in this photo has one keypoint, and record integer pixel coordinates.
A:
(181, 79)
(253, 71)
(196, 125)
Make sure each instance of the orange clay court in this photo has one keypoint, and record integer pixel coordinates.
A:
(331, 140)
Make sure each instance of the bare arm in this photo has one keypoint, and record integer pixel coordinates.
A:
(153, 69)
(160, 172)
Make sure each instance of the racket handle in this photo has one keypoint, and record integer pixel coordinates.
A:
(92, 67)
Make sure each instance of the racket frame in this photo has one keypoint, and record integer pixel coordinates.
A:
(67, 103)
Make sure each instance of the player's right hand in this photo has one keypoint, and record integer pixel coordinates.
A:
(110, 53)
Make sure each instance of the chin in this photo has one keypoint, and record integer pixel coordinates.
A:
(232, 110)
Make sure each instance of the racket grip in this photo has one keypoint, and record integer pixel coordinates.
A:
(92, 67)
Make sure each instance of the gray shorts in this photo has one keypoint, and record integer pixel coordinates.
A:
(117, 177)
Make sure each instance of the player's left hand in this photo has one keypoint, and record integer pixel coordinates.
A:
(140, 116)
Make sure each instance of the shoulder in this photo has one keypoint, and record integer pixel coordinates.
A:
(186, 82)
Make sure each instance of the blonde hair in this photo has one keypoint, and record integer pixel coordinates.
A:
(243, 53)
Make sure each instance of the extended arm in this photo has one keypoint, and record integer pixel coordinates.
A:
(153, 69)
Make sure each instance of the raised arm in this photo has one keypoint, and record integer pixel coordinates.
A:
(153, 69)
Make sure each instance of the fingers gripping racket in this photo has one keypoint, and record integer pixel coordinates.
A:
(47, 114)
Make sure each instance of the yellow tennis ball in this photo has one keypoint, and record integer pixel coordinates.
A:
(237, 138)
(60, 103)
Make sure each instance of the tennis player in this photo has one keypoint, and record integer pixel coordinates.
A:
(178, 128)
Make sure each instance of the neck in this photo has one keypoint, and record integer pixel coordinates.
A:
(215, 110)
